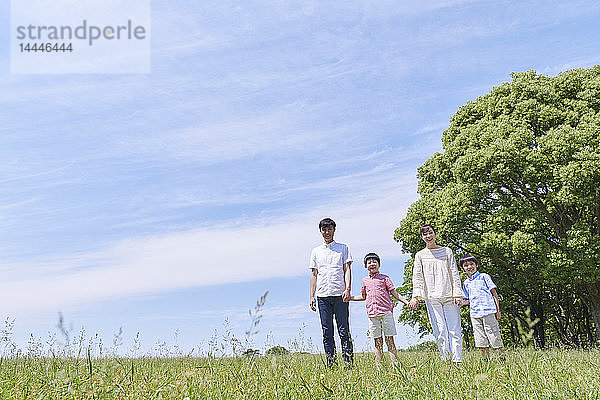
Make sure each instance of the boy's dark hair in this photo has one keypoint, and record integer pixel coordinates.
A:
(372, 256)
(466, 258)
(424, 227)
(326, 222)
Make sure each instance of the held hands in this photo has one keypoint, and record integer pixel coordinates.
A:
(413, 304)
(346, 295)
(498, 315)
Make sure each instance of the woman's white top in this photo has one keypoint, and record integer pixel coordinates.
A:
(435, 275)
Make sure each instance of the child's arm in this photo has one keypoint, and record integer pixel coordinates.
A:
(495, 295)
(363, 293)
(465, 301)
(362, 297)
(392, 291)
(398, 297)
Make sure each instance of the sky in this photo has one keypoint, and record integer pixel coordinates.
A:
(167, 202)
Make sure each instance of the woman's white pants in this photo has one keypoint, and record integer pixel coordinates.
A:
(445, 323)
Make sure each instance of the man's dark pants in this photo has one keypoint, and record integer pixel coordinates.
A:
(328, 308)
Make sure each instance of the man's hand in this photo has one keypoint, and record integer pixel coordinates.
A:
(313, 304)
(346, 295)
(413, 304)
(458, 301)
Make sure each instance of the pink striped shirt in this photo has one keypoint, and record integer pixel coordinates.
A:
(376, 289)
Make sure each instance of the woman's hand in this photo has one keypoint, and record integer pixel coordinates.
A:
(413, 304)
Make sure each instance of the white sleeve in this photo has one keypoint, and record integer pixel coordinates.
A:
(456, 284)
(418, 280)
(348, 256)
(312, 263)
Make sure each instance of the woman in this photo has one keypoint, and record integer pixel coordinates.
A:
(436, 280)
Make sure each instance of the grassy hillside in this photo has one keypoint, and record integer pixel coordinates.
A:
(527, 374)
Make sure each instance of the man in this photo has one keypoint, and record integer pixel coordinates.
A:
(330, 281)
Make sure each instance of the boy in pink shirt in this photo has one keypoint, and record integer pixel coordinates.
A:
(376, 290)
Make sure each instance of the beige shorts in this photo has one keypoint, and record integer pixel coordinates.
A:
(487, 331)
(382, 325)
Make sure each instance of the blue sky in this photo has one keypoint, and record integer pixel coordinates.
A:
(169, 202)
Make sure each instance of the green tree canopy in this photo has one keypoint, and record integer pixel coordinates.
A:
(277, 351)
(251, 353)
(517, 184)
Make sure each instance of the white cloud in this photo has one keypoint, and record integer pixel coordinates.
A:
(580, 62)
(207, 256)
(236, 137)
(432, 127)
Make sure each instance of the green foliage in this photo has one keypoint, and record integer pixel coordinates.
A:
(428, 345)
(518, 185)
(526, 330)
(251, 353)
(277, 351)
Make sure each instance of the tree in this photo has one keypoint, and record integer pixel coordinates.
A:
(518, 185)
(277, 351)
(251, 353)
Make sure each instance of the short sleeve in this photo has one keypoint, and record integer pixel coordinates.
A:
(347, 255)
(488, 281)
(312, 263)
(388, 284)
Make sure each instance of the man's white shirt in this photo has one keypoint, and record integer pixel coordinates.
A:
(329, 260)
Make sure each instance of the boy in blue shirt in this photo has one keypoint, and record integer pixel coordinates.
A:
(482, 298)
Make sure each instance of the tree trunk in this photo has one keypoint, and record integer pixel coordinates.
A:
(539, 333)
(592, 300)
(513, 331)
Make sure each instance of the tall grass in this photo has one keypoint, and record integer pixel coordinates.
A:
(527, 374)
(73, 366)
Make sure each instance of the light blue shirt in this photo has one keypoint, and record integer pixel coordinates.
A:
(478, 290)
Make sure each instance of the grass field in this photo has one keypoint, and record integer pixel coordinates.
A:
(527, 374)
